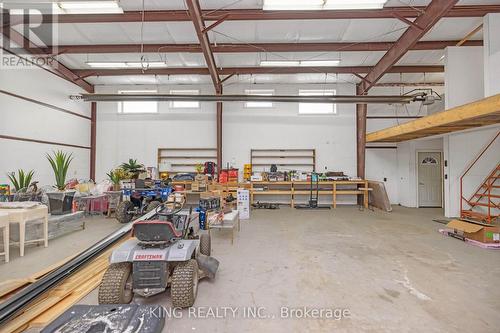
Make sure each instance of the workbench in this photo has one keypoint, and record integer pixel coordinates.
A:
(291, 190)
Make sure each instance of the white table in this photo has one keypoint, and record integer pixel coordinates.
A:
(229, 221)
(4, 225)
(23, 215)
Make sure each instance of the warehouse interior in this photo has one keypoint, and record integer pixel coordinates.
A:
(249, 165)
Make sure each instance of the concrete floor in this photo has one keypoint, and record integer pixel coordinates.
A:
(36, 257)
(393, 272)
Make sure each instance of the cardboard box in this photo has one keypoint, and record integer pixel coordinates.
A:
(477, 232)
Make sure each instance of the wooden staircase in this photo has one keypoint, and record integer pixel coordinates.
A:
(484, 205)
(487, 196)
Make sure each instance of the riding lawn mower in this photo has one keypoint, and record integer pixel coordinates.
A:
(164, 252)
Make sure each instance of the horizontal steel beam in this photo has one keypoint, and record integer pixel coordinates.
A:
(253, 47)
(253, 70)
(259, 14)
(367, 99)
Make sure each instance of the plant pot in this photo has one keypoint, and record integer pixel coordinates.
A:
(116, 187)
(60, 202)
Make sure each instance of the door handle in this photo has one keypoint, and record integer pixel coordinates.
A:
(420, 183)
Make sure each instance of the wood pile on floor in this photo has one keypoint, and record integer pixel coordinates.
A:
(56, 300)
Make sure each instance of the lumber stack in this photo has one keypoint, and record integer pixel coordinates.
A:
(57, 300)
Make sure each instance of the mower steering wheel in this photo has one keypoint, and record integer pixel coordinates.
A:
(176, 208)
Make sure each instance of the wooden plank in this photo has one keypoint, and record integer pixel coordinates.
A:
(488, 107)
(60, 298)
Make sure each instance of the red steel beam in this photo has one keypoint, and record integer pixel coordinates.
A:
(199, 25)
(259, 14)
(432, 14)
(254, 70)
(255, 47)
(53, 66)
(93, 138)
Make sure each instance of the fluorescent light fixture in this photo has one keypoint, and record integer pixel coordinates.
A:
(322, 4)
(319, 63)
(126, 64)
(279, 63)
(90, 7)
(299, 63)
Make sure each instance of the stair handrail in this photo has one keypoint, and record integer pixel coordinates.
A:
(470, 167)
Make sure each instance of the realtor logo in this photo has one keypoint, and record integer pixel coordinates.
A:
(28, 35)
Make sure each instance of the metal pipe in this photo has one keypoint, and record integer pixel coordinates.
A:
(364, 99)
(26, 296)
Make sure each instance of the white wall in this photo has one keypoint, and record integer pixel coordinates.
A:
(407, 167)
(461, 149)
(123, 136)
(391, 166)
(464, 79)
(491, 27)
(25, 119)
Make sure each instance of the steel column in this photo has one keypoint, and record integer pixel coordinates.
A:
(219, 135)
(361, 110)
(93, 142)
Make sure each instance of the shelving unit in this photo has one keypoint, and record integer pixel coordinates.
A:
(288, 159)
(185, 159)
(292, 190)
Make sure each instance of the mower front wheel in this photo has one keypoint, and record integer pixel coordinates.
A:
(116, 285)
(125, 212)
(184, 286)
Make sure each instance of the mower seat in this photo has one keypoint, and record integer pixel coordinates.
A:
(155, 231)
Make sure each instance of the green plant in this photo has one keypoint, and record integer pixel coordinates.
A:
(60, 162)
(23, 179)
(117, 175)
(132, 167)
(199, 168)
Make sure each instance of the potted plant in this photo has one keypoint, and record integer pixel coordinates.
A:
(116, 176)
(133, 168)
(60, 201)
(21, 183)
(199, 168)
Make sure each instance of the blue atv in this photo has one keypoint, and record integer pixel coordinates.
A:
(141, 200)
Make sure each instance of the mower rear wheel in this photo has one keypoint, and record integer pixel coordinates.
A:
(184, 286)
(205, 244)
(124, 212)
(152, 205)
(116, 285)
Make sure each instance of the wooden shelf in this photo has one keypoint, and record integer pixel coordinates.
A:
(275, 156)
(297, 188)
(284, 158)
(187, 158)
(321, 192)
(283, 164)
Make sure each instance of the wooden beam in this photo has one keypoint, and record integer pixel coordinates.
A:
(199, 25)
(432, 14)
(454, 119)
(470, 35)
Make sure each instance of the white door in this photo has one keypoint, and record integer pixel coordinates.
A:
(429, 179)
